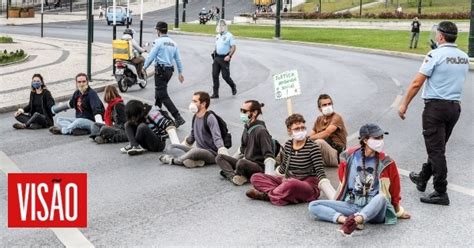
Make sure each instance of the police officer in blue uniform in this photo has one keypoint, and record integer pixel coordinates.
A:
(163, 53)
(442, 76)
(225, 49)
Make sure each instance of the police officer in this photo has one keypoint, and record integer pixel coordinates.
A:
(442, 76)
(162, 54)
(225, 48)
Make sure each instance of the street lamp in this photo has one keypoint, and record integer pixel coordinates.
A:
(277, 19)
(471, 32)
(176, 16)
(223, 10)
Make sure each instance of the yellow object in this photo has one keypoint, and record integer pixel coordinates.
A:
(122, 49)
(263, 2)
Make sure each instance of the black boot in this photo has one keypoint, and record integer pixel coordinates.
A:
(418, 181)
(178, 121)
(436, 198)
(215, 93)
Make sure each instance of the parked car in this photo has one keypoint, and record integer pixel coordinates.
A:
(120, 15)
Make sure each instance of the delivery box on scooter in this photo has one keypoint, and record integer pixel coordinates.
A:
(122, 49)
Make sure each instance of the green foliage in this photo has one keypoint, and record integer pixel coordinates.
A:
(8, 57)
(6, 39)
(392, 40)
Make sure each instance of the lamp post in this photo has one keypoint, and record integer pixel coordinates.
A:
(277, 19)
(471, 32)
(176, 15)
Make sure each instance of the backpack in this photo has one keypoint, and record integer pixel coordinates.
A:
(226, 136)
(275, 144)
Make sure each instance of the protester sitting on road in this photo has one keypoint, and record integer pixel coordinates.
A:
(329, 131)
(205, 132)
(141, 133)
(299, 174)
(137, 59)
(37, 114)
(257, 147)
(89, 109)
(113, 130)
(369, 186)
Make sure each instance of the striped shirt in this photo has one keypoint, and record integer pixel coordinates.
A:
(304, 162)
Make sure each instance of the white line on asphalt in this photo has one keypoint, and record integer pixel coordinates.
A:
(70, 237)
(350, 138)
(397, 83)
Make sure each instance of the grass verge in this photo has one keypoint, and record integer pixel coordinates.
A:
(391, 40)
(6, 39)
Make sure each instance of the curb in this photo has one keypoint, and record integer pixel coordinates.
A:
(342, 47)
(62, 97)
(16, 62)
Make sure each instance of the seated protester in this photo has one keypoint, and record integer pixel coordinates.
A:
(369, 186)
(256, 147)
(140, 132)
(329, 132)
(299, 174)
(89, 109)
(113, 130)
(37, 114)
(205, 132)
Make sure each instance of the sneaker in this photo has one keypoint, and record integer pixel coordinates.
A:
(416, 179)
(126, 148)
(55, 130)
(234, 91)
(19, 126)
(257, 195)
(349, 226)
(239, 180)
(100, 140)
(436, 198)
(189, 163)
(166, 159)
(35, 126)
(80, 132)
(135, 150)
(179, 121)
(226, 175)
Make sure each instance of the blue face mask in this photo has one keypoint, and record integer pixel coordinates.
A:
(244, 118)
(36, 85)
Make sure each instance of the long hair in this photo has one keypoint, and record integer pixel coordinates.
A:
(110, 93)
(135, 112)
(43, 85)
(364, 158)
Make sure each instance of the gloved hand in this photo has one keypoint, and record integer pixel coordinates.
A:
(325, 186)
(185, 143)
(98, 118)
(277, 172)
(223, 151)
(19, 112)
(269, 166)
(60, 107)
(238, 154)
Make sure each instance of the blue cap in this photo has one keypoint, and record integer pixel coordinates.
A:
(370, 130)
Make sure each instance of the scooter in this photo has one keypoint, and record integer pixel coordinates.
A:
(126, 75)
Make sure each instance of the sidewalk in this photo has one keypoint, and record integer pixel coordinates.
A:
(148, 6)
(58, 61)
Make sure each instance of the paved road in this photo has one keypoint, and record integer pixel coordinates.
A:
(137, 201)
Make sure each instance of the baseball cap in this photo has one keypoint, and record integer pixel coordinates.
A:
(371, 130)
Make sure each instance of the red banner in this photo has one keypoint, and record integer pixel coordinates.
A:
(47, 200)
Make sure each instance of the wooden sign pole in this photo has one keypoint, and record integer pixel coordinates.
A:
(289, 106)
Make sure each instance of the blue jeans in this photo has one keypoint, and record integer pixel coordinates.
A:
(330, 210)
(68, 124)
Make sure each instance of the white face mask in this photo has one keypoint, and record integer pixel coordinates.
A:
(193, 108)
(299, 135)
(375, 144)
(328, 110)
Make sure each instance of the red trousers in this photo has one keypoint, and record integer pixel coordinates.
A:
(286, 191)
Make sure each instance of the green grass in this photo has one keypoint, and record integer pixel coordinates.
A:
(392, 40)
(11, 59)
(329, 6)
(6, 39)
(427, 7)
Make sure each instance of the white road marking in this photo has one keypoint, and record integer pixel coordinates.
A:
(70, 237)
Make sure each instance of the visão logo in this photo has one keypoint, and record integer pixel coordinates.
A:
(47, 200)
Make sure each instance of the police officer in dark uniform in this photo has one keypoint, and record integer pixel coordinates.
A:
(163, 53)
(442, 76)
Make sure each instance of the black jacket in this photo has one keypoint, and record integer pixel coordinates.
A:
(118, 115)
(256, 145)
(91, 104)
(47, 101)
